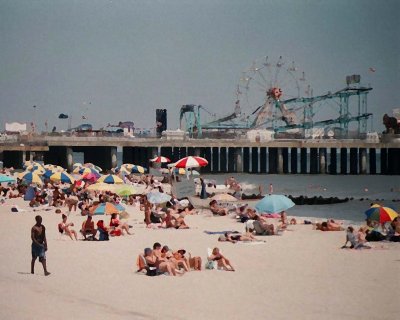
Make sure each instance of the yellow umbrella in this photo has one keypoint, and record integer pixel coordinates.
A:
(101, 187)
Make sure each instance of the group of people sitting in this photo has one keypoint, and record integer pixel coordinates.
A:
(89, 230)
(373, 232)
(169, 215)
(161, 260)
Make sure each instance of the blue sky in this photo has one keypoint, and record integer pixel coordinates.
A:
(121, 60)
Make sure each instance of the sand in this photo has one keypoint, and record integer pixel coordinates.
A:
(302, 274)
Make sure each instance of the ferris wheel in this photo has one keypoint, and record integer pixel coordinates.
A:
(264, 90)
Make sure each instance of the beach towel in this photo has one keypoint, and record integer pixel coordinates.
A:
(220, 232)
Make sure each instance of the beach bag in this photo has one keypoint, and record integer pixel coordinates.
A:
(154, 218)
(151, 271)
(210, 265)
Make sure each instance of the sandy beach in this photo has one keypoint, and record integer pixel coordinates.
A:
(302, 274)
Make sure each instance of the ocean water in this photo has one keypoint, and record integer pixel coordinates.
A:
(364, 189)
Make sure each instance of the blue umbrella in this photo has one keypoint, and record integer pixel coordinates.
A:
(274, 203)
(158, 197)
(4, 178)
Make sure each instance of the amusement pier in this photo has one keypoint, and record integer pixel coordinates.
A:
(283, 156)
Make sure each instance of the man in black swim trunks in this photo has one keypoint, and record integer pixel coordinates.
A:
(39, 245)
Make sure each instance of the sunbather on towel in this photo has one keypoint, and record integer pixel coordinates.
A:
(221, 260)
(236, 237)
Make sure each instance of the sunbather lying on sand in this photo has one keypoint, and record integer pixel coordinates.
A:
(329, 225)
(236, 237)
(217, 210)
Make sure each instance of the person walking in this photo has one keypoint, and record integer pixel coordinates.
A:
(39, 245)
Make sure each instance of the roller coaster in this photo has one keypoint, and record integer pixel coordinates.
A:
(276, 96)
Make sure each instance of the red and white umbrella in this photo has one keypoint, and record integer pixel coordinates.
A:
(160, 159)
(191, 162)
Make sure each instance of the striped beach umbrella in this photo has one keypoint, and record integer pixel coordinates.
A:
(107, 208)
(93, 171)
(91, 165)
(110, 179)
(77, 164)
(122, 169)
(35, 167)
(48, 173)
(191, 162)
(54, 168)
(62, 177)
(30, 177)
(160, 159)
(138, 169)
(381, 214)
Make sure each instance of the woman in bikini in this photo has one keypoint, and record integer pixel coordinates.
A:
(64, 227)
(221, 260)
(116, 224)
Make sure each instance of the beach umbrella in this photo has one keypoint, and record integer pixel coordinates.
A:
(107, 208)
(34, 167)
(54, 167)
(30, 177)
(274, 203)
(31, 163)
(111, 179)
(225, 197)
(62, 177)
(91, 177)
(39, 172)
(77, 164)
(156, 197)
(381, 214)
(138, 169)
(93, 171)
(191, 162)
(123, 169)
(160, 159)
(101, 187)
(48, 173)
(126, 191)
(91, 165)
(127, 165)
(4, 178)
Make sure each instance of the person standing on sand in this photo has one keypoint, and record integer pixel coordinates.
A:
(39, 245)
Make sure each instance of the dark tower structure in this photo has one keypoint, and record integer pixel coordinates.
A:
(161, 121)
